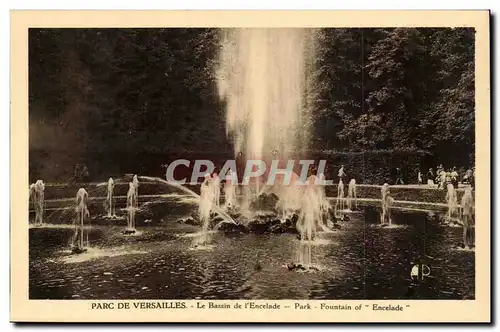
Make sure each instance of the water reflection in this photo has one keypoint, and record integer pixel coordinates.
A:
(358, 261)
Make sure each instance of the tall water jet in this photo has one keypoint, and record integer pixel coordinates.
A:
(80, 242)
(263, 80)
(132, 206)
(352, 202)
(110, 206)
(37, 197)
(467, 217)
(451, 201)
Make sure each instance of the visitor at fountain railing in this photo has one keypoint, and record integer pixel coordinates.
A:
(79, 244)
(441, 178)
(341, 173)
(468, 177)
(454, 177)
(399, 176)
(447, 179)
(430, 177)
(467, 218)
(37, 190)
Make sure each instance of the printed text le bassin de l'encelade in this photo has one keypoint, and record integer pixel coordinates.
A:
(237, 305)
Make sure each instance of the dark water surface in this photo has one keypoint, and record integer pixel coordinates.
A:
(360, 261)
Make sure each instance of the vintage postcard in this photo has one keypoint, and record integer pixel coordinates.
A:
(250, 166)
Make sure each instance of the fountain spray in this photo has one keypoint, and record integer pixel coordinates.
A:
(351, 195)
(207, 199)
(451, 201)
(386, 203)
(82, 213)
(132, 205)
(340, 202)
(264, 89)
(110, 199)
(37, 197)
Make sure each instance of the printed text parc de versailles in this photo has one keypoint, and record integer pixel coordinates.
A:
(238, 305)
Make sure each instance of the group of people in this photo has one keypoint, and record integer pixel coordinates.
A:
(444, 177)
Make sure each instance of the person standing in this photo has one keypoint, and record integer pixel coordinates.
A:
(473, 181)
(468, 176)
(439, 169)
(430, 177)
(454, 177)
(77, 173)
(399, 176)
(419, 176)
(341, 174)
(85, 174)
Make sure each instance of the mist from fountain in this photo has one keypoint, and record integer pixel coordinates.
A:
(310, 212)
(451, 202)
(467, 202)
(37, 190)
(289, 195)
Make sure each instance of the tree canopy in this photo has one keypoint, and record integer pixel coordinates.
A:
(154, 90)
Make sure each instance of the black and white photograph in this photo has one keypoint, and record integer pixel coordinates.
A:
(252, 163)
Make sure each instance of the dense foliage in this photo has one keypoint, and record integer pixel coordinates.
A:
(110, 92)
